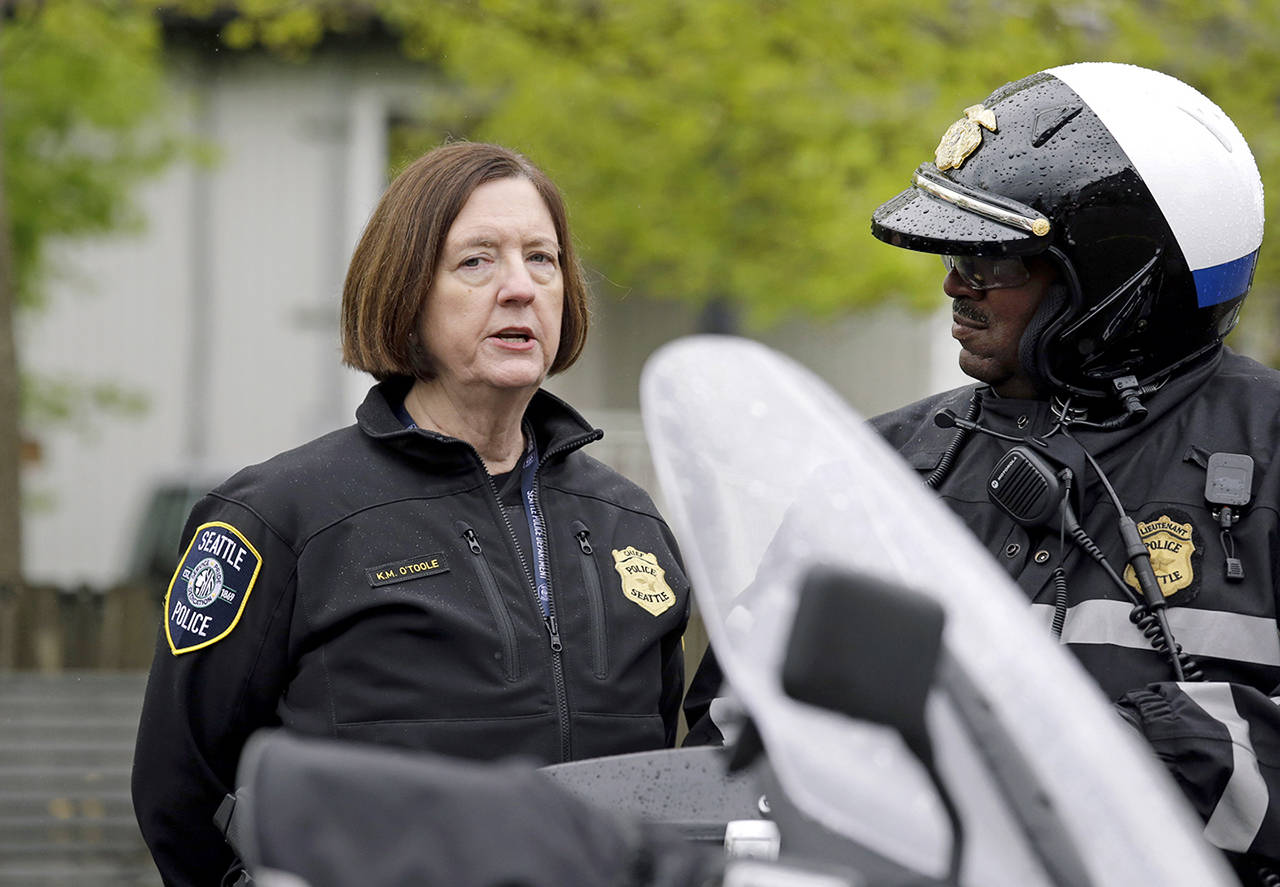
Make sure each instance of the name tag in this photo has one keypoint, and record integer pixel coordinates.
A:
(403, 571)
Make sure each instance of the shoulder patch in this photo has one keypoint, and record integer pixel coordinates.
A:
(209, 589)
(1176, 552)
(644, 582)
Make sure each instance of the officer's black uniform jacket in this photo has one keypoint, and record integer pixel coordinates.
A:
(393, 604)
(1221, 737)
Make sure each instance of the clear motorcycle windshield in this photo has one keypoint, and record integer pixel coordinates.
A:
(765, 471)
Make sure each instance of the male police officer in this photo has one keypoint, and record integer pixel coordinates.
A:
(1100, 225)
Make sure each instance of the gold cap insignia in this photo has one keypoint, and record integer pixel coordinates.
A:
(1171, 547)
(644, 582)
(963, 137)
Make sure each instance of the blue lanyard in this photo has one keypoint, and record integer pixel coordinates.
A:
(532, 513)
(537, 527)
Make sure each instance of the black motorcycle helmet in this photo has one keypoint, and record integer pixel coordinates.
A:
(1139, 189)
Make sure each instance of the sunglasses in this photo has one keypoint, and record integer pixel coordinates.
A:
(982, 273)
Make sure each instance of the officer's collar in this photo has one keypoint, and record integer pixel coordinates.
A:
(556, 425)
(1168, 396)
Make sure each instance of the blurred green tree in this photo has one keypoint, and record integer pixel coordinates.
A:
(726, 150)
(734, 150)
(79, 82)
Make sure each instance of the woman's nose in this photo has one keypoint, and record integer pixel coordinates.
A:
(517, 283)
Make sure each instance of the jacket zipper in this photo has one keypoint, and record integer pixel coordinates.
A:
(553, 629)
(595, 600)
(548, 621)
(497, 606)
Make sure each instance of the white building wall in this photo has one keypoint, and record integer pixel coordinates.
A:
(117, 313)
(224, 313)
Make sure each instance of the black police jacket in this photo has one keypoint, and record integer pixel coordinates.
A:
(370, 586)
(1220, 736)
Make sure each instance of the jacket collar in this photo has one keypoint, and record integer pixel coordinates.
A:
(1172, 395)
(557, 427)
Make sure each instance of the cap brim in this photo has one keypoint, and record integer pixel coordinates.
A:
(919, 221)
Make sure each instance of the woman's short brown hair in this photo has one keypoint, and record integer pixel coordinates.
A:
(394, 264)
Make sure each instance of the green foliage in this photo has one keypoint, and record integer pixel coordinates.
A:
(81, 81)
(75, 402)
(288, 28)
(735, 149)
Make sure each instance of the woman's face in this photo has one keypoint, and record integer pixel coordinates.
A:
(493, 312)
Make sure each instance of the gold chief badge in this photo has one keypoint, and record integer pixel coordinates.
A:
(963, 137)
(1171, 547)
(644, 582)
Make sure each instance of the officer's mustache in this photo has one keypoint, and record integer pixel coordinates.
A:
(968, 310)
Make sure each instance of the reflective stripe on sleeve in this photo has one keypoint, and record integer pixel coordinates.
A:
(1233, 636)
(1238, 816)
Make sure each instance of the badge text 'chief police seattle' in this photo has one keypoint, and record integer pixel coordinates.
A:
(1099, 226)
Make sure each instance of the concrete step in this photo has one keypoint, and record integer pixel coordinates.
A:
(80, 805)
(65, 779)
(47, 689)
(39, 729)
(56, 753)
(71, 682)
(29, 833)
(66, 751)
(78, 871)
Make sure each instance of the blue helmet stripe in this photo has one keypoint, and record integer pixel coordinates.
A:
(1222, 283)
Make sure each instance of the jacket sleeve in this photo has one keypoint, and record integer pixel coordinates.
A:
(672, 682)
(1221, 742)
(217, 675)
(703, 689)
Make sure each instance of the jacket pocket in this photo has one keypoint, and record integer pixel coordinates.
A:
(923, 460)
(595, 602)
(497, 605)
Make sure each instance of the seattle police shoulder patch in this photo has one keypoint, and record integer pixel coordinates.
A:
(209, 589)
(1176, 552)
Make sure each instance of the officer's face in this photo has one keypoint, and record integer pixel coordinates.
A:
(989, 323)
(492, 318)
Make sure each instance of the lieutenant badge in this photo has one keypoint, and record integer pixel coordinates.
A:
(963, 137)
(1175, 556)
(208, 591)
(644, 582)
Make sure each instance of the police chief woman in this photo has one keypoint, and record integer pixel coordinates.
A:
(451, 573)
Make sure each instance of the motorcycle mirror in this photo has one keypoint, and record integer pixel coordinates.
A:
(867, 648)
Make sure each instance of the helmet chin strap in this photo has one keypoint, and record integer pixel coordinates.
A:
(1055, 299)
(1127, 390)
(1129, 396)
(1124, 406)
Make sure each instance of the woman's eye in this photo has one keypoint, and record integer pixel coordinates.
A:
(473, 262)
